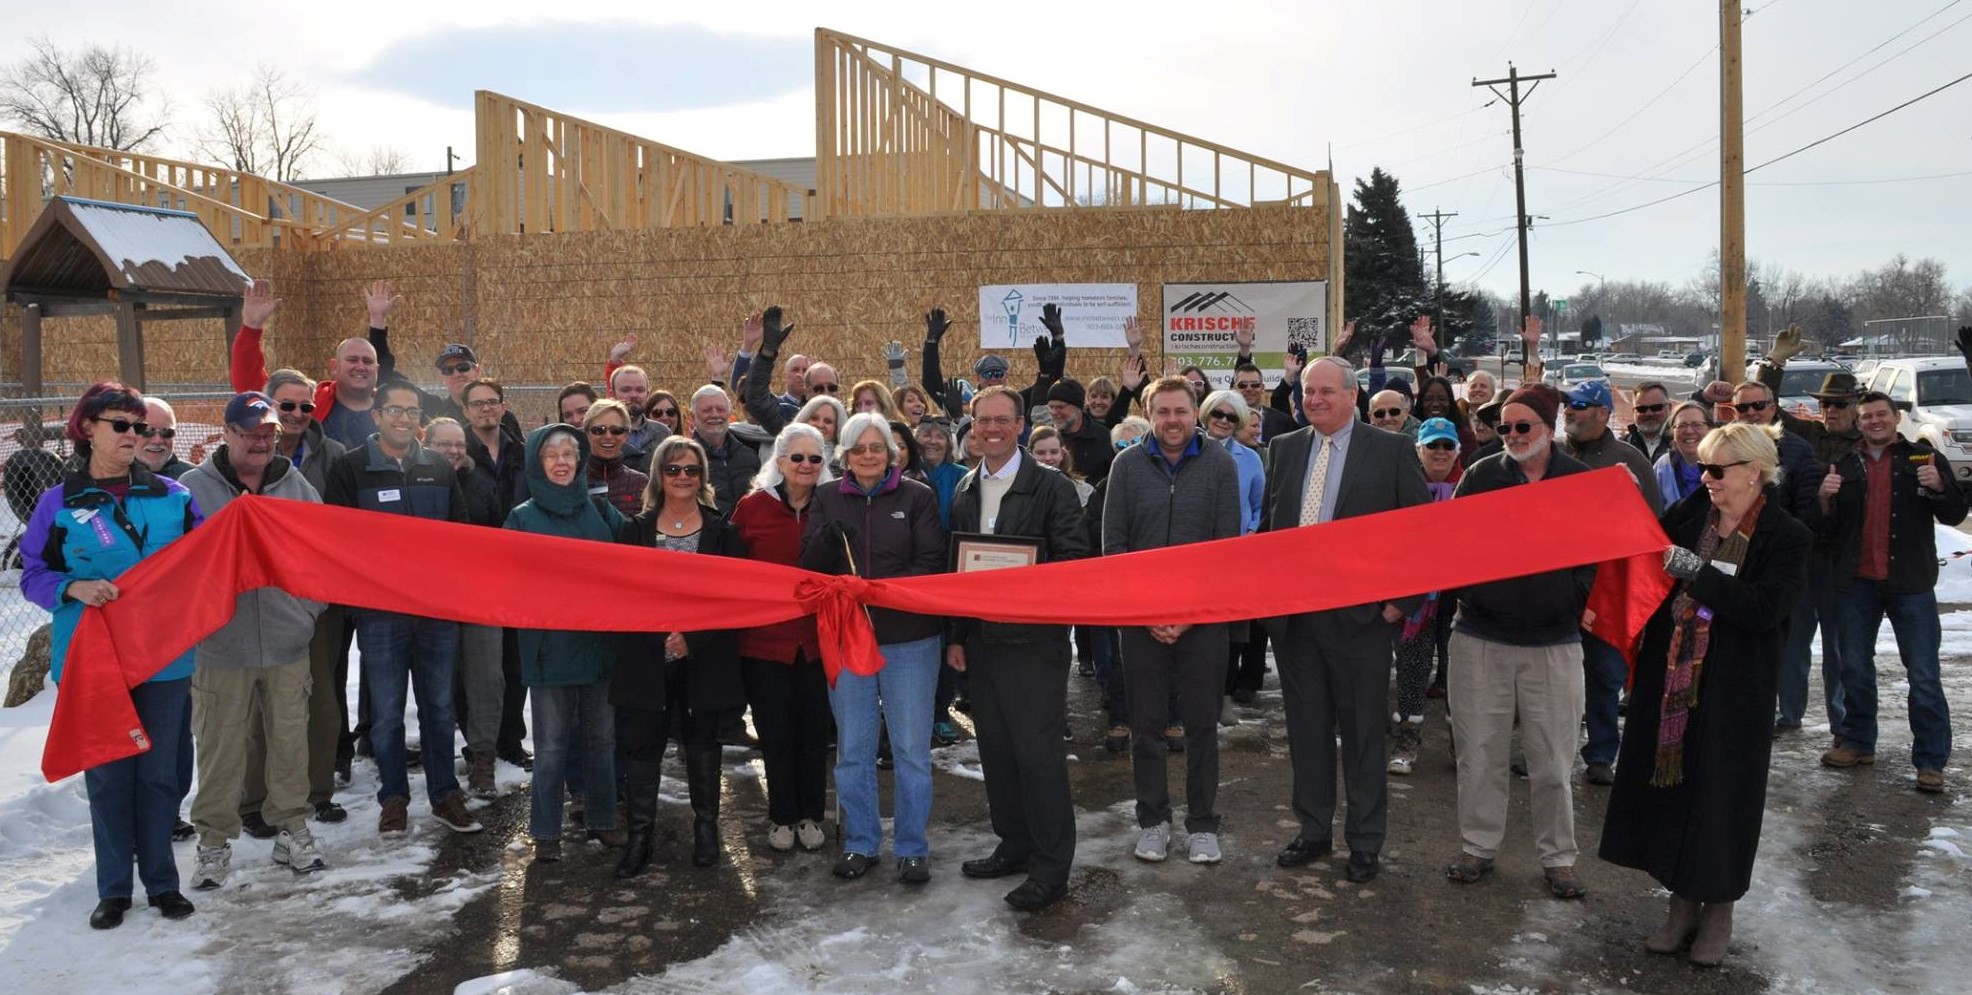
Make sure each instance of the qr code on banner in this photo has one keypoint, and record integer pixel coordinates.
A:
(1305, 332)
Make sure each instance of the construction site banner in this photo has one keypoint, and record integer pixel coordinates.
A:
(1202, 322)
(1091, 313)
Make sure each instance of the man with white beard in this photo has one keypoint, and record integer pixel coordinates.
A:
(1516, 649)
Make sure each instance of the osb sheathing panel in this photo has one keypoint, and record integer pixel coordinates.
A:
(544, 309)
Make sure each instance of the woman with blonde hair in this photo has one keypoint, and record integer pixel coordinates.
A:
(872, 395)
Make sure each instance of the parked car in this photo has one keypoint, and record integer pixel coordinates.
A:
(1462, 367)
(1390, 373)
(1624, 357)
(1935, 393)
(1567, 376)
(1798, 382)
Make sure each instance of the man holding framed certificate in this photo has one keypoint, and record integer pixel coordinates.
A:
(1012, 511)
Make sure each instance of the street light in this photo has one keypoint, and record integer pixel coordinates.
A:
(1600, 299)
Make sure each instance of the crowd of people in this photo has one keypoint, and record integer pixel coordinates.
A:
(1778, 523)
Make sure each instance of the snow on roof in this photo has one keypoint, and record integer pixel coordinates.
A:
(154, 248)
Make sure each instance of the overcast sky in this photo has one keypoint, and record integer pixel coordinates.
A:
(1372, 82)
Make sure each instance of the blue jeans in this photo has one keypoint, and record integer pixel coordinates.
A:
(904, 690)
(423, 651)
(133, 802)
(1914, 618)
(560, 715)
(1603, 674)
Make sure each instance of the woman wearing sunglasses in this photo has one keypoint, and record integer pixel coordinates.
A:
(1427, 632)
(1691, 780)
(109, 512)
(612, 459)
(877, 524)
(782, 663)
(1677, 470)
(677, 684)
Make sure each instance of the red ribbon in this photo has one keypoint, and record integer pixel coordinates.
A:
(187, 590)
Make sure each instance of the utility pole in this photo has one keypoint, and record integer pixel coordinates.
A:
(1732, 197)
(1512, 97)
(1437, 218)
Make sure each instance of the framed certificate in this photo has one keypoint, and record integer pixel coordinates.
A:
(973, 551)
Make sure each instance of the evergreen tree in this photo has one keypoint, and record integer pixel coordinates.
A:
(1384, 284)
(1591, 331)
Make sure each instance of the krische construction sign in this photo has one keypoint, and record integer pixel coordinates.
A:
(1201, 319)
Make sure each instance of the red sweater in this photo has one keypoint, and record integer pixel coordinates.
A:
(772, 531)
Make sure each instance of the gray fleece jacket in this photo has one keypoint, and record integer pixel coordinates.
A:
(1151, 505)
(270, 627)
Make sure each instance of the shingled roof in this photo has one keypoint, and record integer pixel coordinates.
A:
(89, 248)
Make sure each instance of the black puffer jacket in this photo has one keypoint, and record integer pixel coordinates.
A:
(892, 532)
(1541, 609)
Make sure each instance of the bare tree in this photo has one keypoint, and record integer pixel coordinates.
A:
(379, 160)
(265, 127)
(98, 96)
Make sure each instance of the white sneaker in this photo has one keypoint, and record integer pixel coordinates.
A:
(809, 833)
(215, 862)
(1204, 848)
(781, 838)
(1154, 843)
(296, 849)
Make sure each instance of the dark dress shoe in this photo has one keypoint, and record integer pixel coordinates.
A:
(1243, 697)
(1599, 774)
(994, 866)
(1303, 851)
(328, 811)
(171, 905)
(109, 913)
(1033, 896)
(1362, 867)
(183, 831)
(255, 825)
(518, 756)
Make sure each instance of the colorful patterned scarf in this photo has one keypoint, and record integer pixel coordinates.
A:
(1691, 636)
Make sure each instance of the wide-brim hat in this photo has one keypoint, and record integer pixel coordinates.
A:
(1842, 384)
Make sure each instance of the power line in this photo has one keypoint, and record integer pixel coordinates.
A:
(1767, 183)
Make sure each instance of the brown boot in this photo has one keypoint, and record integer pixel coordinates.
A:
(1847, 756)
(1678, 927)
(480, 778)
(1708, 947)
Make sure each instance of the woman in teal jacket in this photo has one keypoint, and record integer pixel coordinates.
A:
(109, 512)
(567, 673)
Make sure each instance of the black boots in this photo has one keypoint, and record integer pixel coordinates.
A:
(702, 777)
(640, 788)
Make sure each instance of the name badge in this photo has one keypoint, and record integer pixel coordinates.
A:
(1729, 569)
(390, 495)
(896, 514)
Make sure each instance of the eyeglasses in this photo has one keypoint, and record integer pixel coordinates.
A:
(683, 470)
(1387, 413)
(1650, 409)
(1716, 471)
(664, 413)
(869, 449)
(1748, 407)
(1250, 385)
(484, 404)
(1518, 427)
(158, 433)
(993, 375)
(455, 369)
(1830, 404)
(815, 458)
(400, 411)
(122, 425)
(1441, 445)
(1225, 416)
(602, 430)
(305, 407)
(826, 388)
(1582, 405)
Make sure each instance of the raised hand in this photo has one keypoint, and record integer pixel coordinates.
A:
(1051, 319)
(1342, 341)
(258, 304)
(1530, 332)
(717, 363)
(621, 351)
(1134, 372)
(935, 325)
(1243, 338)
(1133, 334)
(1831, 484)
(893, 357)
(1377, 345)
(773, 332)
(1295, 360)
(380, 301)
(1786, 345)
(750, 334)
(1421, 336)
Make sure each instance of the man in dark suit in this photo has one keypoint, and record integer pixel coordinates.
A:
(1335, 665)
(1019, 673)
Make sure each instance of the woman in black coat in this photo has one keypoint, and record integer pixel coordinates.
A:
(1691, 779)
(671, 683)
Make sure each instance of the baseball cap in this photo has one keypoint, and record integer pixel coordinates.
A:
(251, 410)
(1436, 430)
(1589, 394)
(456, 350)
(990, 365)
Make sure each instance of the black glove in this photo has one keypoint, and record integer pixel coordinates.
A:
(1965, 342)
(1377, 344)
(1055, 363)
(1051, 319)
(935, 325)
(829, 551)
(772, 332)
(1042, 347)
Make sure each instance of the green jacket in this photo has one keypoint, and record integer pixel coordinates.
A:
(556, 657)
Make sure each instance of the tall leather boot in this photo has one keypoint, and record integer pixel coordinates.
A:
(702, 776)
(640, 791)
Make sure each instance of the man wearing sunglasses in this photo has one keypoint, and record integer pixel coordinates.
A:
(158, 446)
(1880, 502)
(1587, 438)
(1650, 409)
(1390, 411)
(458, 368)
(1516, 651)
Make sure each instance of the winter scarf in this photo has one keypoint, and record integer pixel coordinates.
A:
(1691, 636)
